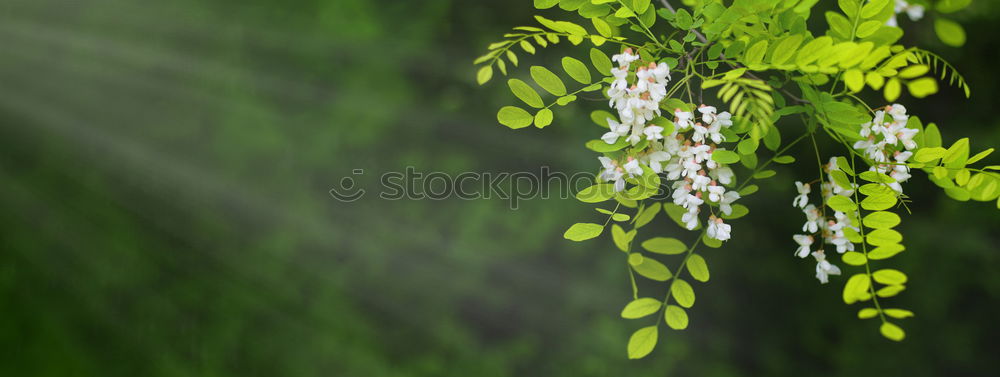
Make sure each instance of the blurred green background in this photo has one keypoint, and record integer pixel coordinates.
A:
(165, 168)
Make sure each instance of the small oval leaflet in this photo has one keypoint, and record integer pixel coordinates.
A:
(664, 245)
(641, 307)
(892, 332)
(642, 342)
(583, 231)
(683, 293)
(698, 268)
(676, 317)
(889, 276)
(652, 269)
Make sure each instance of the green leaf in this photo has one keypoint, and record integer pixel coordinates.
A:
(596, 193)
(602, 27)
(785, 49)
(601, 61)
(543, 118)
(854, 258)
(932, 137)
(755, 54)
(583, 231)
(620, 237)
(548, 80)
(879, 202)
(840, 178)
(873, 8)
(949, 32)
(764, 174)
(811, 51)
(867, 313)
(527, 47)
(881, 237)
(898, 313)
(647, 214)
(664, 245)
(957, 152)
(854, 79)
(725, 157)
(485, 74)
(922, 87)
(676, 317)
(844, 166)
(928, 154)
(890, 291)
(514, 117)
(683, 293)
(739, 211)
(676, 212)
(786, 159)
(889, 277)
(856, 287)
(892, 89)
(892, 332)
(641, 307)
(642, 342)
(651, 269)
(979, 156)
(842, 204)
(885, 252)
(525, 93)
(545, 4)
(881, 220)
(867, 28)
(698, 268)
(576, 69)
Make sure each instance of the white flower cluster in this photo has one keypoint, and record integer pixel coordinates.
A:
(883, 137)
(831, 229)
(685, 158)
(914, 11)
(636, 104)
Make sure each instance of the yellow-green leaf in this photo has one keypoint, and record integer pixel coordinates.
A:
(698, 268)
(676, 317)
(683, 293)
(641, 307)
(642, 342)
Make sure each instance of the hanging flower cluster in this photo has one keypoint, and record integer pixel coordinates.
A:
(831, 229)
(887, 142)
(684, 153)
(882, 143)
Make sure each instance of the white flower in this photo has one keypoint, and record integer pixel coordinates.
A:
(612, 173)
(625, 58)
(700, 182)
(632, 167)
(723, 174)
(656, 159)
(690, 219)
(803, 198)
(840, 240)
(823, 268)
(715, 192)
(813, 219)
(805, 242)
(717, 229)
(725, 205)
(653, 133)
(683, 119)
(617, 130)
